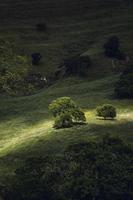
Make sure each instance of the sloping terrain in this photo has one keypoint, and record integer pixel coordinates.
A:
(25, 122)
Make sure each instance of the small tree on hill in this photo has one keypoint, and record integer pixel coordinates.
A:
(112, 49)
(106, 111)
(66, 112)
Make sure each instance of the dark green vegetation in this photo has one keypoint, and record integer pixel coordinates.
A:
(124, 86)
(90, 170)
(106, 111)
(73, 28)
(13, 69)
(112, 49)
(77, 66)
(66, 113)
(16, 78)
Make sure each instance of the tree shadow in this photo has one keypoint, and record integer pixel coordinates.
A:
(107, 119)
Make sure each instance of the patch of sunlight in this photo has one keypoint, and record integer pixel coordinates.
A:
(126, 115)
(27, 135)
(90, 114)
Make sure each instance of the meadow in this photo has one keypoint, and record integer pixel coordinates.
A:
(26, 125)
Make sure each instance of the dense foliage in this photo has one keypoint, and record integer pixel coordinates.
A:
(63, 121)
(15, 77)
(99, 170)
(66, 112)
(106, 111)
(124, 87)
(13, 69)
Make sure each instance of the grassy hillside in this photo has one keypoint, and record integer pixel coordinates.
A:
(80, 26)
(25, 122)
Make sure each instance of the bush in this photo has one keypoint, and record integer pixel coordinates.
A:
(63, 121)
(65, 107)
(106, 111)
(13, 70)
(112, 49)
(124, 87)
(84, 64)
(77, 66)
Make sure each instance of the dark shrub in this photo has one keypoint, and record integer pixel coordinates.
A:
(84, 64)
(112, 49)
(77, 66)
(36, 58)
(106, 111)
(124, 87)
(37, 80)
(41, 27)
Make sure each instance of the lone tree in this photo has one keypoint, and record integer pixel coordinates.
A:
(124, 87)
(106, 111)
(112, 49)
(66, 112)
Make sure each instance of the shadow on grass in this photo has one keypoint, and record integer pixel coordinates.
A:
(106, 119)
(122, 128)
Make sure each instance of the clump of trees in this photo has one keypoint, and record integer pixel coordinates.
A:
(100, 170)
(124, 87)
(112, 49)
(66, 112)
(106, 111)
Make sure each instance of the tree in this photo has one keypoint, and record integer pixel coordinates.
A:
(112, 49)
(63, 121)
(124, 86)
(65, 109)
(106, 111)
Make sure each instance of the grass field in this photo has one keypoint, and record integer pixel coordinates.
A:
(25, 122)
